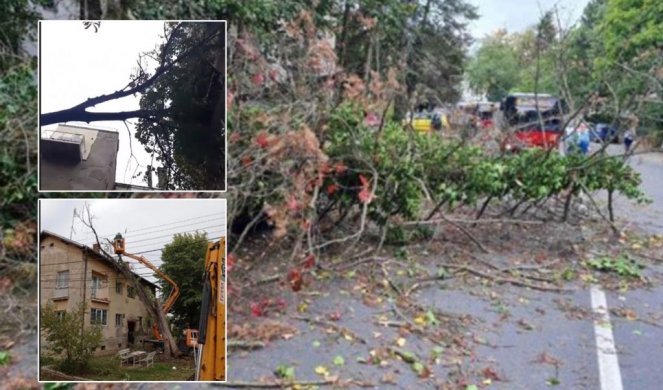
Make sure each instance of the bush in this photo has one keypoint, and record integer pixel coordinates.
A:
(18, 157)
(66, 338)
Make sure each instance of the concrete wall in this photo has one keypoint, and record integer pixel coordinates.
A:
(95, 173)
(56, 256)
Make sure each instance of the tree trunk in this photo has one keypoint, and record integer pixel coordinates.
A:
(344, 34)
(151, 303)
(611, 212)
(153, 308)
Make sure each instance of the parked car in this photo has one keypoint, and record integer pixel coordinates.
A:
(425, 121)
(607, 133)
(485, 113)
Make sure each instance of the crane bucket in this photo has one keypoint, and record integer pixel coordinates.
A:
(118, 244)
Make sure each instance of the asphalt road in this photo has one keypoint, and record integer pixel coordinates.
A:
(528, 339)
(640, 345)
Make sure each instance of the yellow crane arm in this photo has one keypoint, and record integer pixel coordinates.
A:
(174, 293)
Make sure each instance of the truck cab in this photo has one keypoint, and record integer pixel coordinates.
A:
(536, 120)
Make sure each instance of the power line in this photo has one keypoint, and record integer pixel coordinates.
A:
(130, 234)
(172, 234)
(153, 226)
(158, 249)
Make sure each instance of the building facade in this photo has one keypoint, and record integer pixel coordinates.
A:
(73, 157)
(71, 273)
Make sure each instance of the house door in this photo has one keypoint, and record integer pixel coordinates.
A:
(131, 325)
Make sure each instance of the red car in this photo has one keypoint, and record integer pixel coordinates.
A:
(530, 138)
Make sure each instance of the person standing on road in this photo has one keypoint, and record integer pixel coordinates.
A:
(583, 137)
(629, 135)
(576, 137)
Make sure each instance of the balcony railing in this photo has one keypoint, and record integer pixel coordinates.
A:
(61, 293)
(99, 294)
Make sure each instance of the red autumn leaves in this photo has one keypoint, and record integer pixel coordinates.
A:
(295, 278)
(262, 140)
(365, 194)
(295, 275)
(259, 309)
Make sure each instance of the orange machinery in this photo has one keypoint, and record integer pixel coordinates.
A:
(211, 363)
(210, 342)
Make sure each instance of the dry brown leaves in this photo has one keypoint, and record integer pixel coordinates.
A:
(20, 241)
(367, 22)
(353, 87)
(321, 57)
(264, 331)
(20, 383)
(302, 26)
(301, 145)
(545, 358)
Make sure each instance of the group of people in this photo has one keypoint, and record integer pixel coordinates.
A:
(577, 137)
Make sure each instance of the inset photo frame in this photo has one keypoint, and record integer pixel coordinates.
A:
(132, 290)
(132, 105)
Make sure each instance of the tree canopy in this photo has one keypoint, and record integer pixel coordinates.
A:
(184, 261)
(189, 138)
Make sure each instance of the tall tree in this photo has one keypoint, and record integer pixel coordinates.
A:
(494, 69)
(184, 261)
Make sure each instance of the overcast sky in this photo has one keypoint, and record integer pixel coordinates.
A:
(517, 15)
(77, 64)
(147, 224)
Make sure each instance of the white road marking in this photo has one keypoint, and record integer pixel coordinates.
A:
(610, 376)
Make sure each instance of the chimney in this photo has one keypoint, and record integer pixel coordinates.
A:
(96, 248)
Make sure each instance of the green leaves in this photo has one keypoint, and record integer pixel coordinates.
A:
(18, 160)
(285, 372)
(5, 358)
(184, 261)
(622, 266)
(339, 360)
(59, 327)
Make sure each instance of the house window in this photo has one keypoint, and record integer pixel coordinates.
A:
(62, 279)
(131, 293)
(98, 317)
(140, 322)
(118, 320)
(118, 288)
(60, 314)
(98, 283)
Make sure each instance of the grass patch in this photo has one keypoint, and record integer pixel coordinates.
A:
(108, 368)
